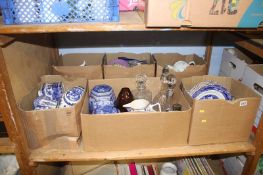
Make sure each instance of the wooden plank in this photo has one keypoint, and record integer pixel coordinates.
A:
(209, 49)
(129, 21)
(10, 116)
(251, 47)
(252, 161)
(6, 146)
(52, 155)
(4, 40)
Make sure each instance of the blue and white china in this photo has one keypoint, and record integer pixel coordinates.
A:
(52, 90)
(100, 96)
(43, 102)
(51, 96)
(210, 90)
(107, 109)
(72, 97)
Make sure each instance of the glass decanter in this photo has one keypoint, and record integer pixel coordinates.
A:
(165, 95)
(142, 92)
(161, 96)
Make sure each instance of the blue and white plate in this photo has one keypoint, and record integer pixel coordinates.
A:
(210, 90)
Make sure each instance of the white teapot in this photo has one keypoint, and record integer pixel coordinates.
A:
(180, 66)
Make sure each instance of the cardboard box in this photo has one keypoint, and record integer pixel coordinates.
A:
(43, 126)
(93, 168)
(111, 71)
(221, 121)
(134, 130)
(170, 58)
(169, 13)
(232, 13)
(69, 64)
(253, 78)
(234, 63)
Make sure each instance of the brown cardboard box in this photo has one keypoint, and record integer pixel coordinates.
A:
(170, 58)
(43, 126)
(111, 71)
(169, 13)
(221, 121)
(134, 130)
(84, 168)
(69, 64)
(214, 13)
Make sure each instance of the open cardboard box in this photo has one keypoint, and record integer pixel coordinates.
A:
(253, 78)
(221, 121)
(170, 58)
(134, 130)
(69, 64)
(236, 14)
(233, 65)
(44, 126)
(113, 71)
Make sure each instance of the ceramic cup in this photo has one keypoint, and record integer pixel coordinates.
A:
(43, 102)
(72, 96)
(54, 91)
(168, 169)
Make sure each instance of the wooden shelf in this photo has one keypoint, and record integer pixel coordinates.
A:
(77, 154)
(6, 146)
(129, 21)
(252, 43)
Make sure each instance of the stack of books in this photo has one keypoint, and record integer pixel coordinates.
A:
(185, 166)
(137, 169)
(193, 166)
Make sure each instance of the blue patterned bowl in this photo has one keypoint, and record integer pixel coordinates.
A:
(106, 110)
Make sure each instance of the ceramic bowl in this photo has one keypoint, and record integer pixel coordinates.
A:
(44, 102)
(107, 109)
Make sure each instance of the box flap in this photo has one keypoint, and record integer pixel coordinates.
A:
(76, 59)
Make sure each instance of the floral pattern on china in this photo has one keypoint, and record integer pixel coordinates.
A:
(210, 90)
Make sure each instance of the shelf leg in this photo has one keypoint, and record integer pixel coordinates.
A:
(10, 114)
(252, 161)
(208, 51)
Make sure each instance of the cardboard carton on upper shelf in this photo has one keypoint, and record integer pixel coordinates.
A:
(43, 126)
(222, 13)
(170, 58)
(170, 13)
(234, 63)
(113, 71)
(70, 64)
(134, 130)
(221, 121)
